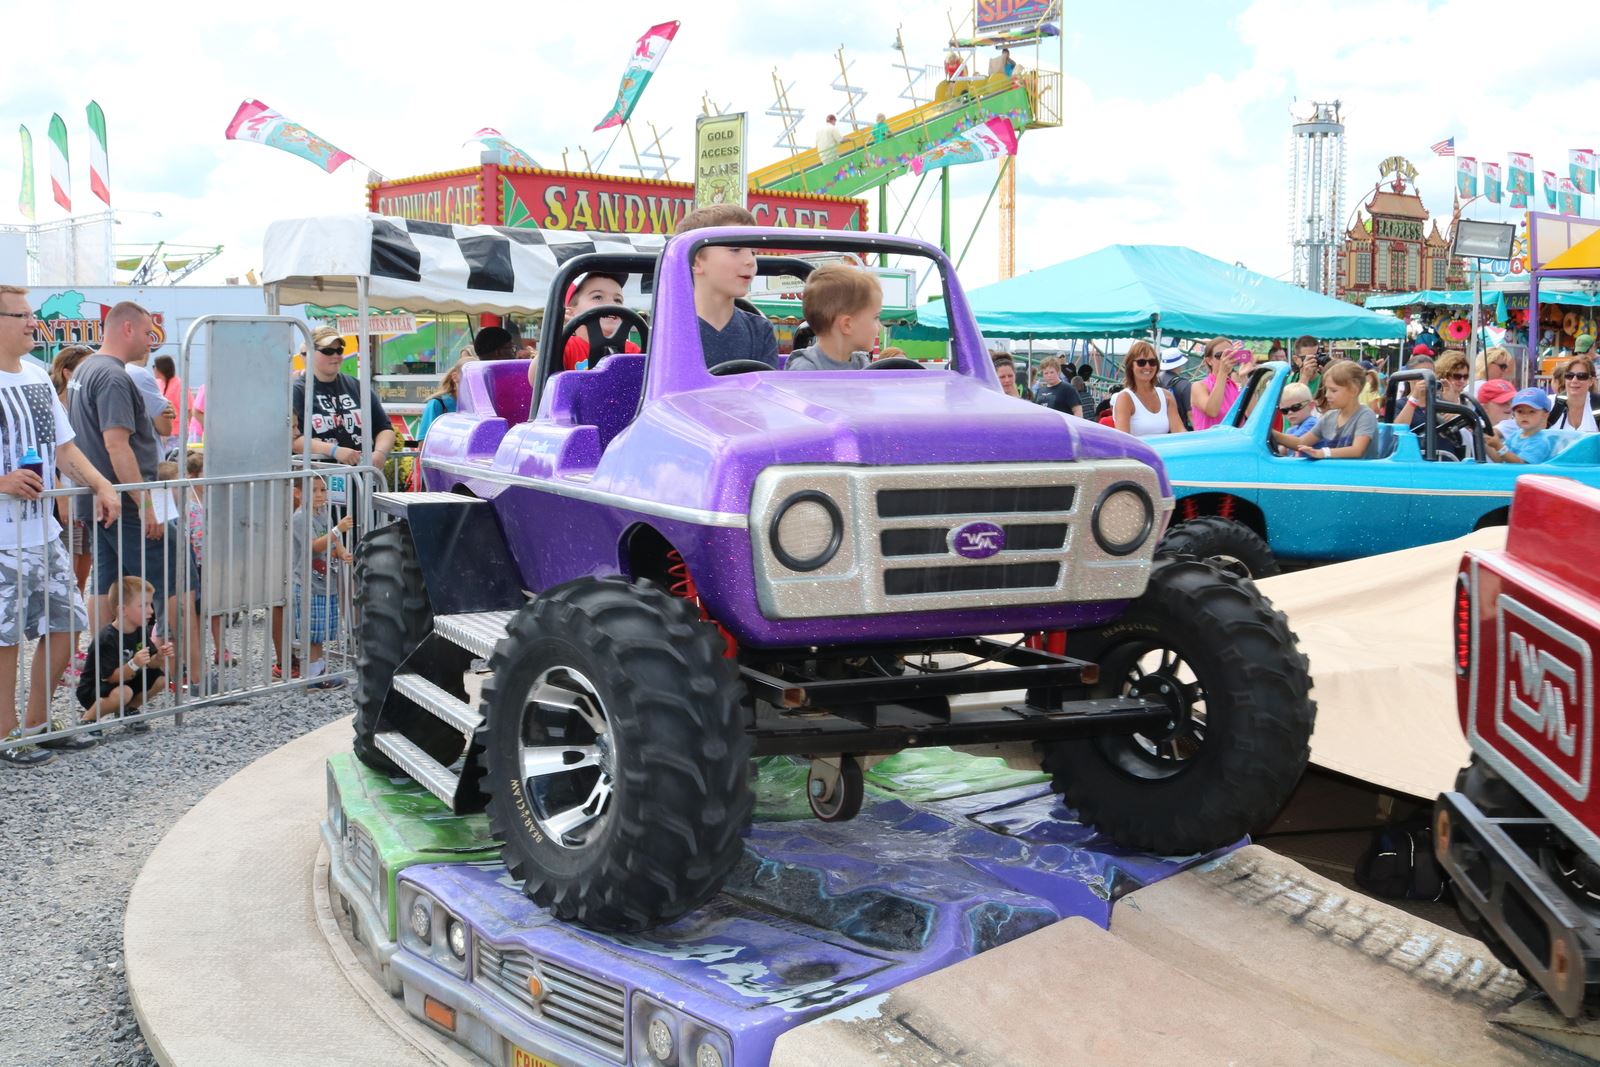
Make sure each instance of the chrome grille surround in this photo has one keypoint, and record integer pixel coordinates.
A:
(583, 1009)
(856, 580)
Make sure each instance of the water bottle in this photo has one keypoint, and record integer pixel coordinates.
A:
(31, 461)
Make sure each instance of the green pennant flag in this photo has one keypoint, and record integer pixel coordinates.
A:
(25, 198)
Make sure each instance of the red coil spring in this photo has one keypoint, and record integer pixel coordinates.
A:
(681, 584)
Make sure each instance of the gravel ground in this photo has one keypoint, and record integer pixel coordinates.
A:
(77, 833)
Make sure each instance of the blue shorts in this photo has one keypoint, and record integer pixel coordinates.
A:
(324, 617)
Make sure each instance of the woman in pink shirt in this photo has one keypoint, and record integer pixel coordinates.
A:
(1209, 400)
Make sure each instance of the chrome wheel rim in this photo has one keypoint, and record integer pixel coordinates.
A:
(565, 760)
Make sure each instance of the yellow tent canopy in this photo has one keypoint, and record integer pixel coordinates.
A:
(1585, 255)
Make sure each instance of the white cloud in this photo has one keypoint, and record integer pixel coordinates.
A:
(402, 84)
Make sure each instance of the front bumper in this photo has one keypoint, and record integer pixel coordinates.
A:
(368, 923)
(483, 1023)
(1497, 876)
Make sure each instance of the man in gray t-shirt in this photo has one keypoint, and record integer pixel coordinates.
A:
(102, 397)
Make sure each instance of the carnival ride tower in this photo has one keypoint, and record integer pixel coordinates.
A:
(1316, 195)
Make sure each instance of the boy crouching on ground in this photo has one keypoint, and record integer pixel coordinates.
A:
(127, 663)
(842, 305)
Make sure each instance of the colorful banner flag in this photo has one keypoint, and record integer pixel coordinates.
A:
(1568, 200)
(1549, 189)
(255, 121)
(1467, 176)
(510, 154)
(1491, 182)
(1580, 168)
(646, 58)
(1519, 199)
(60, 174)
(1519, 177)
(987, 140)
(25, 202)
(99, 169)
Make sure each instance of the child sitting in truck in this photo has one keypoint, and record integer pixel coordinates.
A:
(721, 276)
(1532, 443)
(591, 291)
(1346, 428)
(842, 305)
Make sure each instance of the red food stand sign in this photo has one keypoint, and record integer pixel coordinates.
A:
(558, 200)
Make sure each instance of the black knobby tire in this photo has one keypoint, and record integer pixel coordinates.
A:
(679, 757)
(395, 617)
(1227, 543)
(1239, 763)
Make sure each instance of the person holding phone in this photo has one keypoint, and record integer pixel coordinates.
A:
(1210, 398)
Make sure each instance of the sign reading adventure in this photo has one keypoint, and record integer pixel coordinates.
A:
(719, 160)
(558, 200)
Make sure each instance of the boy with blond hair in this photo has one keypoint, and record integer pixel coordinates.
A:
(721, 276)
(127, 663)
(842, 305)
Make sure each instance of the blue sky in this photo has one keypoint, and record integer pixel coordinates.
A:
(1176, 124)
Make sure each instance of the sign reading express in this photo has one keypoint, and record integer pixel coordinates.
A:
(553, 200)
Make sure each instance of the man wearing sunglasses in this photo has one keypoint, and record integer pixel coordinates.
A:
(336, 415)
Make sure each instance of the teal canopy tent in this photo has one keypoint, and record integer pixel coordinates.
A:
(1127, 290)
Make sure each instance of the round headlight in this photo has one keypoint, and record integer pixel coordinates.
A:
(707, 1056)
(421, 920)
(1123, 518)
(660, 1038)
(458, 940)
(807, 531)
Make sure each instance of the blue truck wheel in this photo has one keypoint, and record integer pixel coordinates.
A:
(1226, 543)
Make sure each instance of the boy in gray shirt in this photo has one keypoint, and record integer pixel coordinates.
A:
(842, 305)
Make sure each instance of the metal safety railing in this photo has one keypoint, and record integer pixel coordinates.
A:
(245, 586)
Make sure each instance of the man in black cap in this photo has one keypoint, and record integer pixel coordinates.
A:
(495, 342)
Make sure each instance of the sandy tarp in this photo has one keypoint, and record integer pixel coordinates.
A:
(1378, 632)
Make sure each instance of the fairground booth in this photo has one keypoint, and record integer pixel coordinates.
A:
(411, 360)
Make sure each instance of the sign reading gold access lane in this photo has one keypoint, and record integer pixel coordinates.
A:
(719, 160)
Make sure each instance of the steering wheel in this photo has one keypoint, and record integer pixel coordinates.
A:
(739, 366)
(894, 363)
(601, 346)
(1456, 425)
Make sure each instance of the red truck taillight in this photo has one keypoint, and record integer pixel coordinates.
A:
(1463, 626)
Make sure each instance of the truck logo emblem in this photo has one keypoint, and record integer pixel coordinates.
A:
(977, 540)
(1545, 707)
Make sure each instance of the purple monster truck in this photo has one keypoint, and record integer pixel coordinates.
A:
(670, 568)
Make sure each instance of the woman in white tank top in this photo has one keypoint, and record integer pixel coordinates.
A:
(1143, 408)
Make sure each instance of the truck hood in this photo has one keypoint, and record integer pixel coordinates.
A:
(875, 418)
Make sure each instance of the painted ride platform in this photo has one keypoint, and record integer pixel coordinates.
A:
(929, 930)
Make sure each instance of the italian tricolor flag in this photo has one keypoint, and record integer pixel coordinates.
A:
(99, 170)
(60, 176)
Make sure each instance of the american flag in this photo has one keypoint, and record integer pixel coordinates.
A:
(1446, 147)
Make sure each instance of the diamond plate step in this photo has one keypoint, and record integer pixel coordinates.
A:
(477, 632)
(434, 776)
(435, 699)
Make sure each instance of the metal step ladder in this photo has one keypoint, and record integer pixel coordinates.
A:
(478, 633)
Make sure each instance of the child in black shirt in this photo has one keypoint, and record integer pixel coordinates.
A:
(126, 664)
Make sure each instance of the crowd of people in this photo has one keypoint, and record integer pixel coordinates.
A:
(106, 584)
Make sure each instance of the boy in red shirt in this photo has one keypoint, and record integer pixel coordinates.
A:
(592, 291)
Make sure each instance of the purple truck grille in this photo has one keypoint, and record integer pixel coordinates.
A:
(584, 1009)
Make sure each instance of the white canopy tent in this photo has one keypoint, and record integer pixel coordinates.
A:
(430, 267)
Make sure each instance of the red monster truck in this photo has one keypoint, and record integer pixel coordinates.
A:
(1521, 834)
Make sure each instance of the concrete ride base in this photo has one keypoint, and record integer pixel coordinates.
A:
(234, 956)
